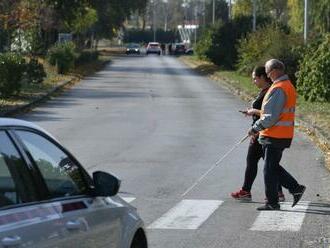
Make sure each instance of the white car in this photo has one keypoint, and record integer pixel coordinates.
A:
(153, 47)
(47, 199)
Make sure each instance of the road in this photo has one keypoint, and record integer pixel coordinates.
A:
(159, 126)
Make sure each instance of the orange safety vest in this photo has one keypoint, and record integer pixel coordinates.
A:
(284, 127)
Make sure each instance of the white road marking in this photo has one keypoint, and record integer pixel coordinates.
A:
(188, 214)
(128, 199)
(288, 219)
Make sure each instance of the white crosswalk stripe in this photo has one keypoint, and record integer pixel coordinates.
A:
(128, 199)
(288, 219)
(188, 214)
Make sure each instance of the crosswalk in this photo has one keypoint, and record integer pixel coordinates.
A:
(288, 219)
(190, 214)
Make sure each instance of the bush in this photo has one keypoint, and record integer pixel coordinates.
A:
(63, 56)
(35, 72)
(12, 67)
(86, 57)
(266, 43)
(203, 47)
(313, 78)
(219, 42)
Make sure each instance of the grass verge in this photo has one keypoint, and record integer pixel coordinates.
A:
(313, 118)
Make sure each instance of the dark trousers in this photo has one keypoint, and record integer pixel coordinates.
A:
(275, 174)
(254, 154)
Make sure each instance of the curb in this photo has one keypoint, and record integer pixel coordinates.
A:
(25, 107)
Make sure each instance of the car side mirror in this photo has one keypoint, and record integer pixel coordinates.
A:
(105, 184)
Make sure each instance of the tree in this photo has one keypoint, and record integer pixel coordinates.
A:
(277, 9)
(221, 11)
(320, 16)
(296, 15)
(242, 8)
(68, 11)
(112, 14)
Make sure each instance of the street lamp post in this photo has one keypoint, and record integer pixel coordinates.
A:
(153, 19)
(229, 10)
(254, 15)
(213, 12)
(165, 24)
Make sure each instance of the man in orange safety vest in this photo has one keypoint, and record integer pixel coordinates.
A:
(276, 129)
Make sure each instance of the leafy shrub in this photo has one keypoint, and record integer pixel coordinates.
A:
(204, 45)
(266, 43)
(219, 43)
(35, 72)
(313, 78)
(12, 67)
(86, 57)
(63, 56)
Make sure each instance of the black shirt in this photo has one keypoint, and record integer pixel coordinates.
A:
(257, 103)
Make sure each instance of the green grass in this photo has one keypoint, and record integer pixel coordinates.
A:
(242, 82)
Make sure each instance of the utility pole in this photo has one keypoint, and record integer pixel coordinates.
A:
(254, 16)
(229, 10)
(166, 14)
(153, 19)
(213, 12)
(306, 21)
(204, 13)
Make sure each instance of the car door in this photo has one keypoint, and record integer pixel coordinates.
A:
(84, 220)
(24, 222)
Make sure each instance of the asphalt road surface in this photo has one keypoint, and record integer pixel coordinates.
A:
(159, 126)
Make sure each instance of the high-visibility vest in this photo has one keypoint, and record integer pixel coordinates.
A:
(284, 127)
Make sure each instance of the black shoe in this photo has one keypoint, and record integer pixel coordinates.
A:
(269, 207)
(298, 194)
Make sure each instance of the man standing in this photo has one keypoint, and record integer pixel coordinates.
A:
(276, 128)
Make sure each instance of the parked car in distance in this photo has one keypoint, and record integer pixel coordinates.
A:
(179, 49)
(133, 48)
(47, 199)
(153, 47)
(189, 51)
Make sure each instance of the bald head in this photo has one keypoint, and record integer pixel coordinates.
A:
(274, 68)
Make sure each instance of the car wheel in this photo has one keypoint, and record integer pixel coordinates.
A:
(139, 240)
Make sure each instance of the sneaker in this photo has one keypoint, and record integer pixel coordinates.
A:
(281, 197)
(269, 207)
(242, 195)
(298, 194)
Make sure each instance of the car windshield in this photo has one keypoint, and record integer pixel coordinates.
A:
(133, 46)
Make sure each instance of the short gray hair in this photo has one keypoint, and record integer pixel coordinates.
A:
(274, 64)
